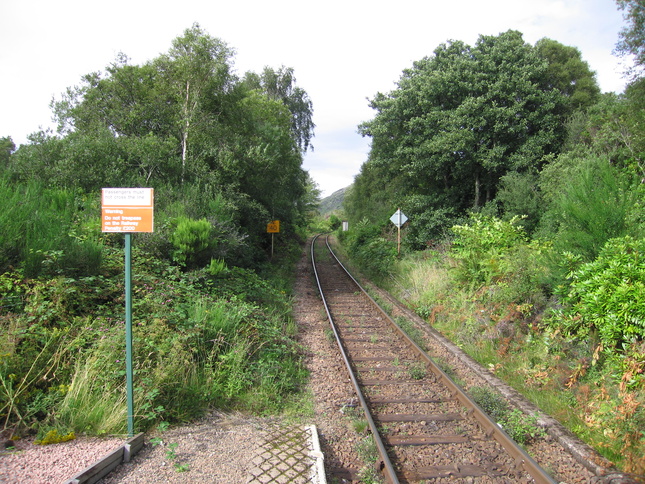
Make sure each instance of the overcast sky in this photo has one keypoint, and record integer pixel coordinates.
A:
(343, 51)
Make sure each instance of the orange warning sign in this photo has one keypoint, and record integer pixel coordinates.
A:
(273, 227)
(127, 210)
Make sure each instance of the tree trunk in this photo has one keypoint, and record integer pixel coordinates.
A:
(184, 137)
(477, 187)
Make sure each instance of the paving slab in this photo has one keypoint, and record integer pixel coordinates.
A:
(289, 454)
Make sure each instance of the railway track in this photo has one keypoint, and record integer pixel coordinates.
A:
(424, 426)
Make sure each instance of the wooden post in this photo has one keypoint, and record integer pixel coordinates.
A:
(398, 241)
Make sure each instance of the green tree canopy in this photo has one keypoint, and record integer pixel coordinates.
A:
(196, 62)
(612, 128)
(372, 194)
(7, 147)
(463, 118)
(182, 119)
(568, 73)
(632, 37)
(281, 85)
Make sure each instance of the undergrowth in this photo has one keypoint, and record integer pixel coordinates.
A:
(578, 357)
(597, 395)
(202, 338)
(522, 428)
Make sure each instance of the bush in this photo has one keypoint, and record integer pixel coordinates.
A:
(522, 428)
(606, 296)
(372, 252)
(593, 206)
(480, 246)
(428, 222)
(214, 337)
(334, 222)
(519, 196)
(42, 231)
(490, 402)
(192, 239)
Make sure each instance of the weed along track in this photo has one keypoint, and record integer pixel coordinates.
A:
(424, 426)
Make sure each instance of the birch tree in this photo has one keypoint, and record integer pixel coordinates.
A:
(195, 63)
(281, 85)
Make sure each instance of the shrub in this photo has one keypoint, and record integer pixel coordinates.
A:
(428, 221)
(490, 402)
(519, 196)
(480, 246)
(367, 246)
(334, 222)
(606, 295)
(522, 428)
(191, 240)
(217, 336)
(42, 231)
(593, 206)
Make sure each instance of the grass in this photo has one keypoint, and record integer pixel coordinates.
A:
(366, 449)
(200, 341)
(360, 426)
(330, 336)
(417, 371)
(419, 282)
(412, 331)
(299, 407)
(87, 408)
(365, 446)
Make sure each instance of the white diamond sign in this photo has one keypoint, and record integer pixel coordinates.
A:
(398, 218)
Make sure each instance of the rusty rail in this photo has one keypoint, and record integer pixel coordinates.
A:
(491, 429)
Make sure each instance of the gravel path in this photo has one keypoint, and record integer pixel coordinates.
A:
(28, 463)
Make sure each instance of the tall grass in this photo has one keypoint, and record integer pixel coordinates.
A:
(36, 231)
(422, 281)
(88, 408)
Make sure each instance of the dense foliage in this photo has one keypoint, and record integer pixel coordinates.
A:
(632, 37)
(605, 296)
(201, 339)
(224, 156)
(183, 120)
(462, 119)
(524, 191)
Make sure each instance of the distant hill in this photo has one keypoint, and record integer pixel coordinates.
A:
(333, 202)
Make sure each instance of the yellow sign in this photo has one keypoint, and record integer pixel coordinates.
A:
(127, 210)
(273, 227)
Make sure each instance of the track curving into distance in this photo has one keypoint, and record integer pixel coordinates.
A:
(424, 426)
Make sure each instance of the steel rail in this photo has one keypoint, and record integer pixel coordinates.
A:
(521, 458)
(388, 468)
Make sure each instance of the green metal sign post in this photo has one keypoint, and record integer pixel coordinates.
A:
(128, 333)
(128, 210)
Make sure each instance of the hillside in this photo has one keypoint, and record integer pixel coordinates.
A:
(333, 202)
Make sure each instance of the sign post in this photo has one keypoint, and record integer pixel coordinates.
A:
(273, 228)
(398, 219)
(129, 385)
(128, 210)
